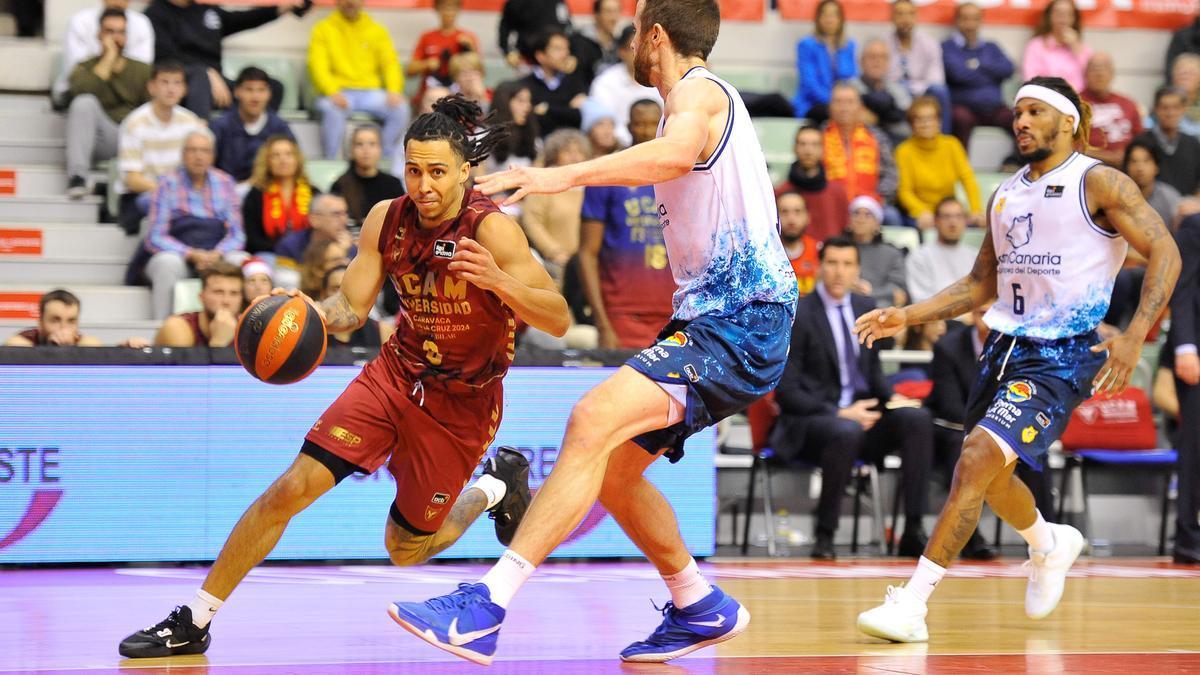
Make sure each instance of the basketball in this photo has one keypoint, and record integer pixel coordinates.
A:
(280, 339)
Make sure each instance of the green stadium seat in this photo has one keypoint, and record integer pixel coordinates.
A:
(973, 237)
(322, 172)
(789, 82)
(495, 71)
(902, 237)
(778, 171)
(757, 80)
(778, 137)
(289, 70)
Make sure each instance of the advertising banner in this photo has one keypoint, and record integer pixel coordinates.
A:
(157, 463)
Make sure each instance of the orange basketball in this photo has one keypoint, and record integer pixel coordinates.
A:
(280, 339)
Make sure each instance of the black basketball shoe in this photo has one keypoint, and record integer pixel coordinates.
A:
(175, 635)
(510, 466)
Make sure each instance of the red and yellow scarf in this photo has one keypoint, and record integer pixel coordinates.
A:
(280, 218)
(859, 172)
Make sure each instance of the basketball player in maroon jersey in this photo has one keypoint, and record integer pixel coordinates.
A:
(429, 405)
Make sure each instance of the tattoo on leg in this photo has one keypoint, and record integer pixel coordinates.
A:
(962, 523)
(414, 550)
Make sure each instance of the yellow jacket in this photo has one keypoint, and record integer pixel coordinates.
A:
(353, 55)
(929, 170)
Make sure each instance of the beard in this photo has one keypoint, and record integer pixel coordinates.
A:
(641, 66)
(1035, 156)
(1041, 153)
(790, 238)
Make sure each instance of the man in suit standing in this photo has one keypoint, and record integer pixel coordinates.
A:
(836, 406)
(954, 369)
(1184, 336)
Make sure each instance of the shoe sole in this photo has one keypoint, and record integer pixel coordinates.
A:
(1078, 542)
(743, 620)
(156, 651)
(460, 652)
(883, 633)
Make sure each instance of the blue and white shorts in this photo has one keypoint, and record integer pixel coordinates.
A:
(1028, 388)
(721, 363)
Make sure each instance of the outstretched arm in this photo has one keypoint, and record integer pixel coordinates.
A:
(690, 108)
(348, 308)
(1115, 195)
(502, 263)
(964, 295)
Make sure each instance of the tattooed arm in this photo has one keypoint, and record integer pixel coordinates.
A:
(960, 297)
(1116, 201)
(348, 308)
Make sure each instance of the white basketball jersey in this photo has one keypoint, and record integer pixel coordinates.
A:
(720, 225)
(1056, 267)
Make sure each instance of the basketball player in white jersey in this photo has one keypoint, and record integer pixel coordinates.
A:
(1058, 233)
(725, 347)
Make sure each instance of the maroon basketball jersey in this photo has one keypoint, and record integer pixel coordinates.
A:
(447, 329)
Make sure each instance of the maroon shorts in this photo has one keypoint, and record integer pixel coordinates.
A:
(431, 438)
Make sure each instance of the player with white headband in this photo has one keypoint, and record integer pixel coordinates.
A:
(1058, 232)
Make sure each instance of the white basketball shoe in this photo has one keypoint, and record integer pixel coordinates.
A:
(901, 617)
(1048, 571)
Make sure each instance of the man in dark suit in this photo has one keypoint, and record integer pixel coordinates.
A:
(954, 369)
(836, 406)
(1182, 341)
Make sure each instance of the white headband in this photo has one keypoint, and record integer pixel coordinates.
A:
(1051, 98)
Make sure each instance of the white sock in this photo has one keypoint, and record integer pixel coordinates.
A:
(1039, 535)
(688, 586)
(204, 606)
(506, 577)
(925, 578)
(493, 488)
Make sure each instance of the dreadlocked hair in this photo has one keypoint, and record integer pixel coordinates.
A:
(461, 123)
(1084, 132)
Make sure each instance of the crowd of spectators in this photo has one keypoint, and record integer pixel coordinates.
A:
(214, 181)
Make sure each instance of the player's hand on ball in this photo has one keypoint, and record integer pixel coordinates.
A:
(878, 324)
(1123, 353)
(296, 293)
(526, 180)
(474, 263)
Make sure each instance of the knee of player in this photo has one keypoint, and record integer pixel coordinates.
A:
(285, 494)
(980, 460)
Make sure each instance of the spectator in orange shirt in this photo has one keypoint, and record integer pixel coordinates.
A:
(431, 56)
(801, 249)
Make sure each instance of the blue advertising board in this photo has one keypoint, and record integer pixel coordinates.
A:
(157, 463)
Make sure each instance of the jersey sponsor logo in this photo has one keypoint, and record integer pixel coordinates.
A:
(691, 373)
(440, 498)
(1028, 434)
(1019, 392)
(1043, 420)
(443, 248)
(1020, 232)
(345, 436)
(679, 339)
(1053, 191)
(1000, 205)
(431, 512)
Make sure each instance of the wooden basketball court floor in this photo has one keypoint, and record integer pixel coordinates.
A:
(1128, 616)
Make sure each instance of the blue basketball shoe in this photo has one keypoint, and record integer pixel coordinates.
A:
(716, 618)
(465, 623)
